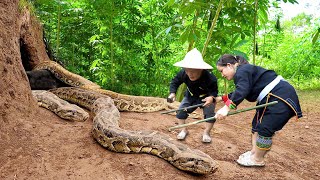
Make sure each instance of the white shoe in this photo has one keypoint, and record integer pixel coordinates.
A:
(182, 135)
(206, 138)
(245, 155)
(248, 162)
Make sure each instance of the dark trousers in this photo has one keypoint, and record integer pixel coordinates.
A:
(208, 111)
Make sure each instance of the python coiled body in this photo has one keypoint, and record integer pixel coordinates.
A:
(66, 76)
(122, 101)
(106, 105)
(107, 132)
(60, 107)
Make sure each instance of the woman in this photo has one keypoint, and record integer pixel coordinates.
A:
(255, 83)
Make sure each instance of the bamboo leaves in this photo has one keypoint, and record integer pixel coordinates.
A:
(315, 36)
(130, 46)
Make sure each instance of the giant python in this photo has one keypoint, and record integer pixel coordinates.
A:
(106, 104)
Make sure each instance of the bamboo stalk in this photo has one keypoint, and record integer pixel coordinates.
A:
(255, 31)
(58, 30)
(212, 27)
(230, 113)
(183, 109)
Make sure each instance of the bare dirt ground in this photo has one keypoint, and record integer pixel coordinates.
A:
(48, 147)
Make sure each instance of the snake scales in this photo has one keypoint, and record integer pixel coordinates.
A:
(106, 105)
(122, 101)
(60, 107)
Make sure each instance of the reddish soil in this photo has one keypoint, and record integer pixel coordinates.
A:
(47, 147)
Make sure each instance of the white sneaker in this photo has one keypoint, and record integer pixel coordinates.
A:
(245, 155)
(182, 135)
(206, 138)
(248, 162)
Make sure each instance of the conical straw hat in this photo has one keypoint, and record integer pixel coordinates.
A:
(193, 60)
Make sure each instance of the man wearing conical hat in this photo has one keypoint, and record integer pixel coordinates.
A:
(201, 88)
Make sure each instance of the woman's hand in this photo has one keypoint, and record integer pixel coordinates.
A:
(218, 99)
(222, 113)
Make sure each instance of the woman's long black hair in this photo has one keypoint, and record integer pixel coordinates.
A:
(228, 58)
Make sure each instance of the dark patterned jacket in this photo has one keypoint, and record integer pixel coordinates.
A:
(205, 86)
(250, 80)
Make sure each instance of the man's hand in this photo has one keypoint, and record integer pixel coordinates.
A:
(222, 113)
(208, 100)
(171, 98)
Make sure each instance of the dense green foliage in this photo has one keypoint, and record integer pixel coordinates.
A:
(130, 46)
(294, 51)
